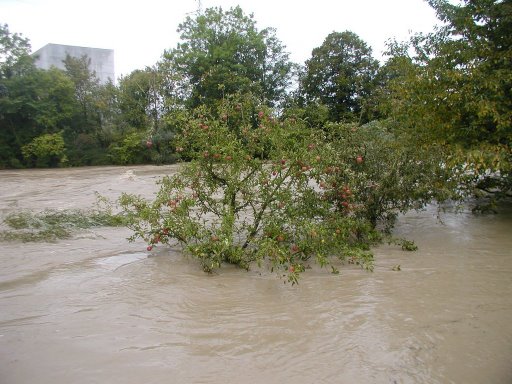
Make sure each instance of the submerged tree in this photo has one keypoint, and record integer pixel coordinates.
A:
(248, 197)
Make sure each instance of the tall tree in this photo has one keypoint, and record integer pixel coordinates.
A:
(14, 53)
(473, 57)
(340, 75)
(223, 52)
(141, 98)
(459, 88)
(134, 92)
(454, 85)
(86, 92)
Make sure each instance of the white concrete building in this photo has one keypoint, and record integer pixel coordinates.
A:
(102, 60)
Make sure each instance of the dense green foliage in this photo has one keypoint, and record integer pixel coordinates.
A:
(14, 53)
(340, 75)
(93, 119)
(471, 58)
(453, 86)
(45, 151)
(223, 53)
(386, 172)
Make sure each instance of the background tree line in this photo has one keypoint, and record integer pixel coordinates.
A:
(450, 88)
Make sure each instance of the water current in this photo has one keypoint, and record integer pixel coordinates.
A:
(97, 309)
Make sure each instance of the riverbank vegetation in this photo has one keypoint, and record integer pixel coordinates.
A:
(286, 164)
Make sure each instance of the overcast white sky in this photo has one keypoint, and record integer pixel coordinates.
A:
(139, 31)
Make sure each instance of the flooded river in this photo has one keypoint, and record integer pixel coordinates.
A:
(97, 309)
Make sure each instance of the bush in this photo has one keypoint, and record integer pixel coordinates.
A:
(377, 174)
(47, 150)
(134, 148)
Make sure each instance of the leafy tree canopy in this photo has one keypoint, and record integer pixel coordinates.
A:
(453, 86)
(340, 75)
(135, 91)
(223, 53)
(14, 52)
(459, 80)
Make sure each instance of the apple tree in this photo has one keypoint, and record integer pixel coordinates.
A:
(378, 172)
(248, 196)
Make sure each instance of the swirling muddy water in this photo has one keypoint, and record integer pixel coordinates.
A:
(97, 309)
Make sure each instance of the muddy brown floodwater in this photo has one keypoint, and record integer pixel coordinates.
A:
(97, 309)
